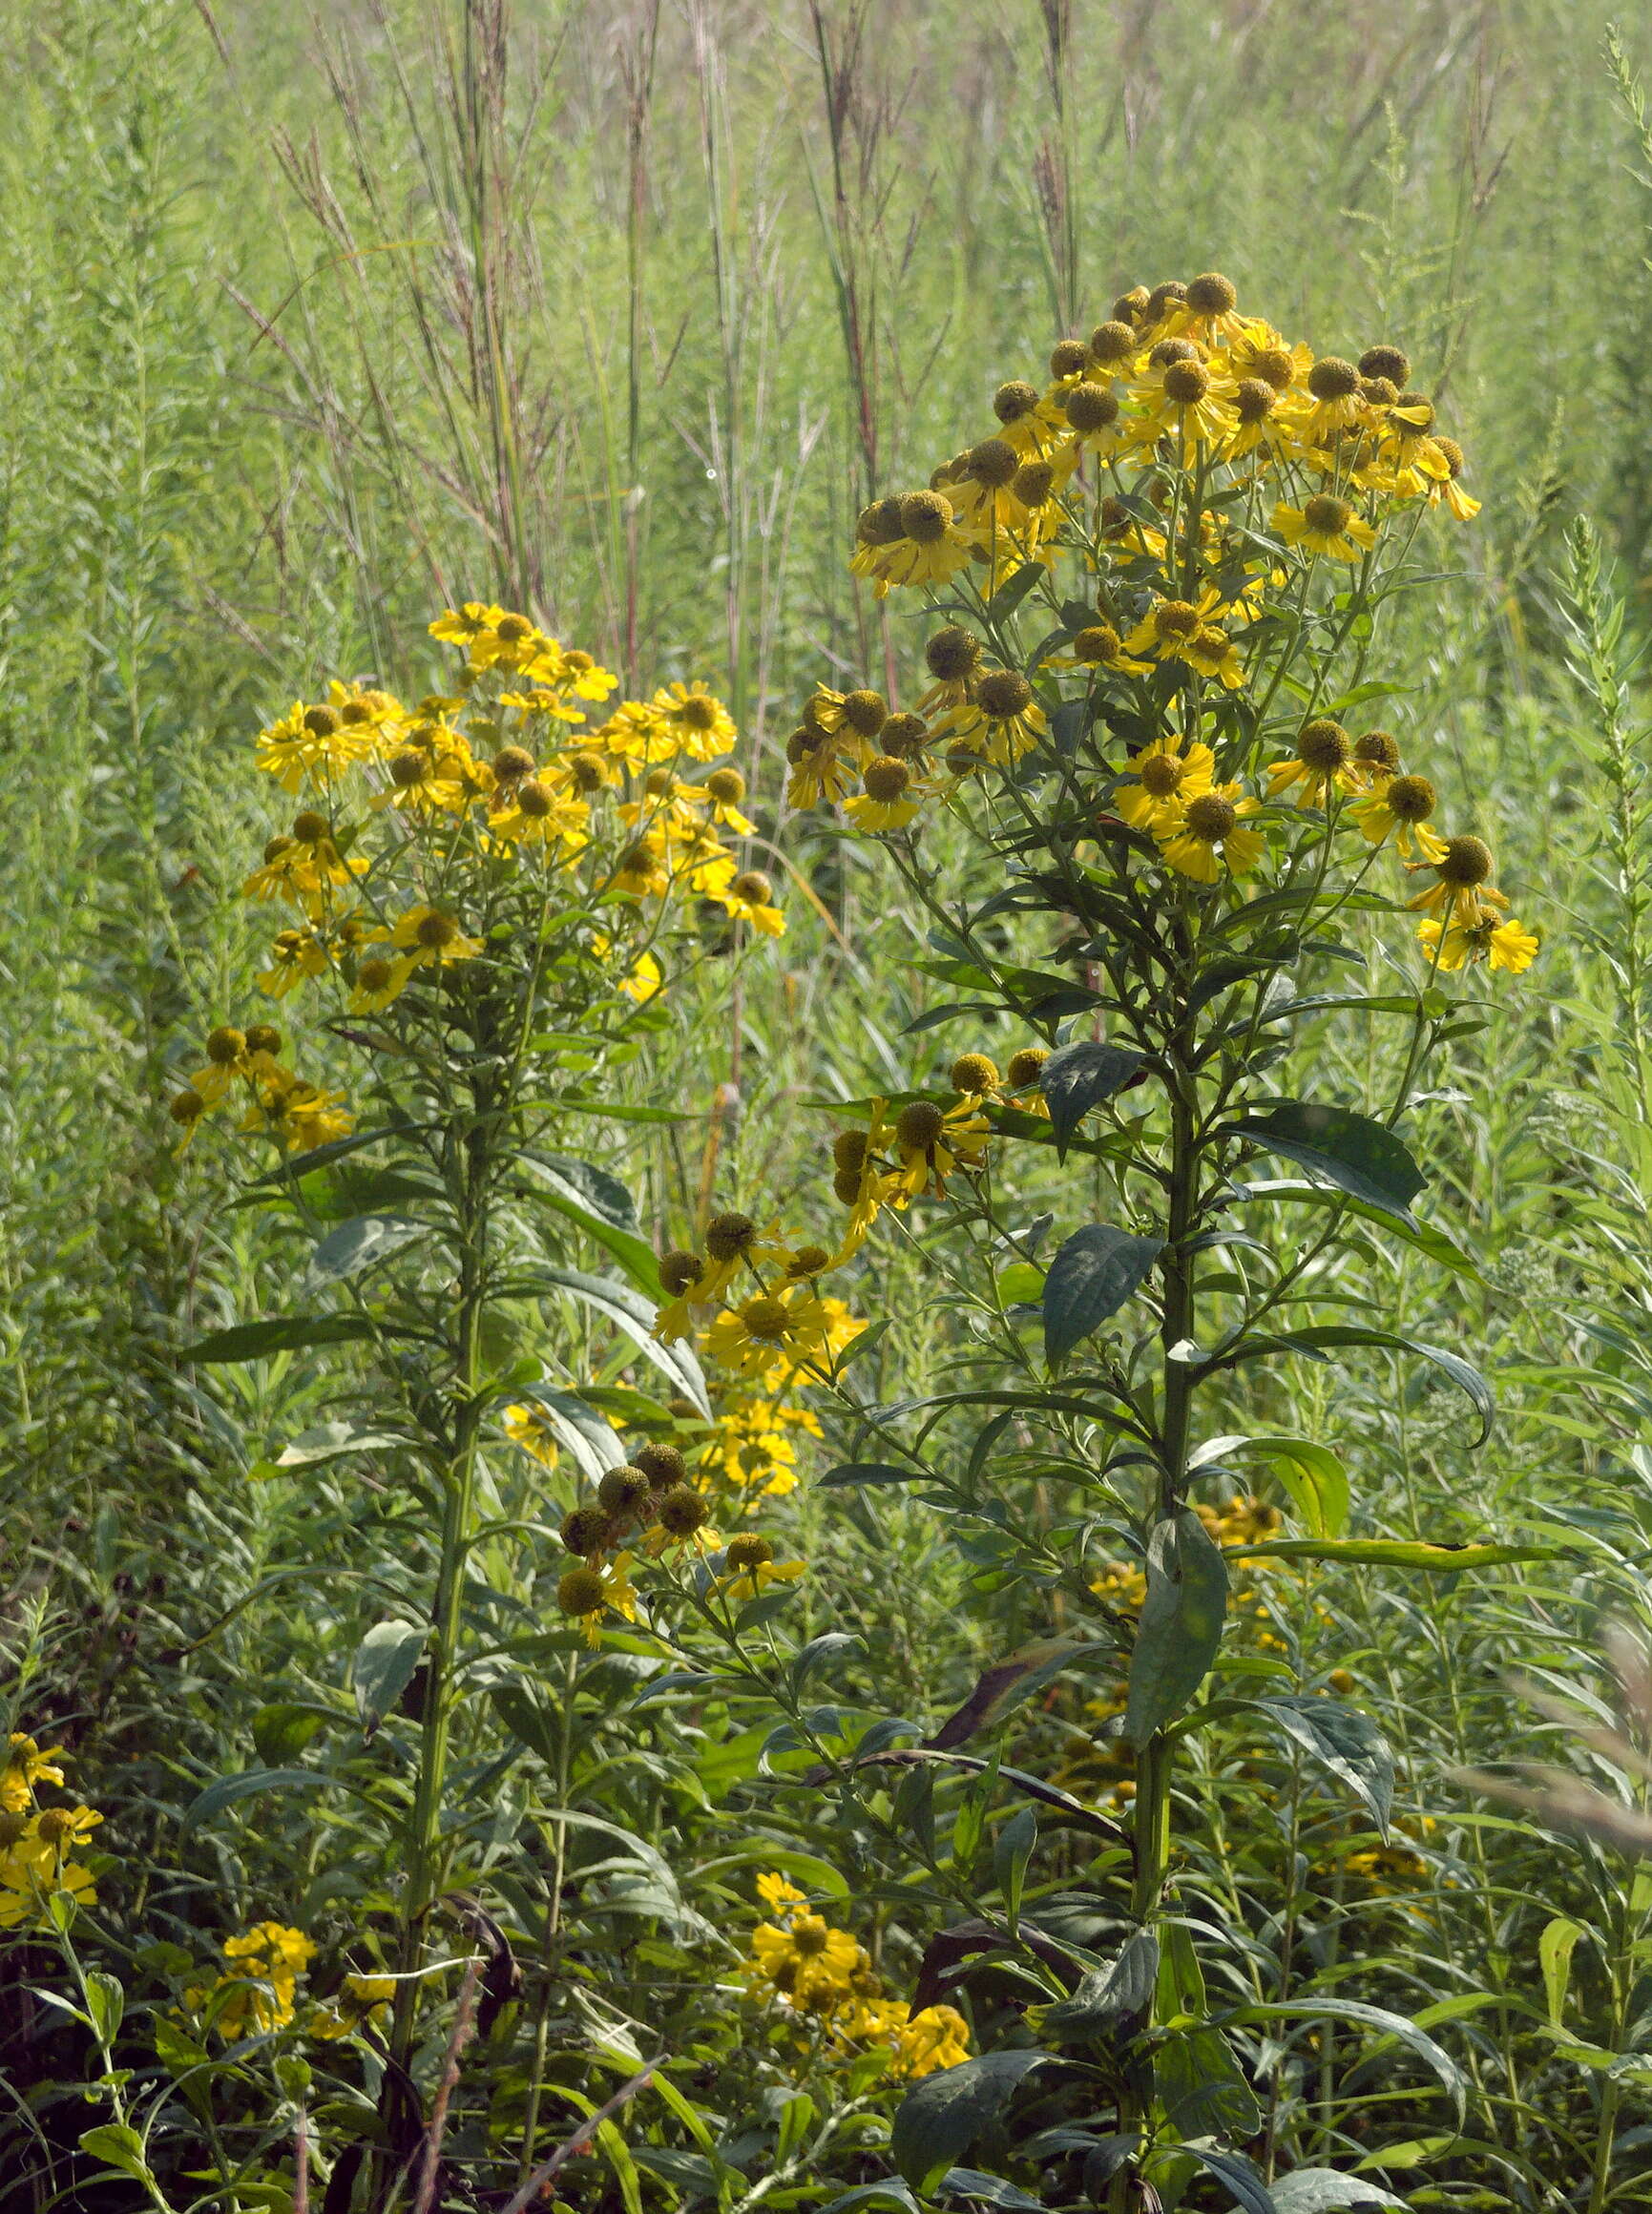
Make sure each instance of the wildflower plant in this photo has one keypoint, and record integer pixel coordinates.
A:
(482, 900)
(1145, 710)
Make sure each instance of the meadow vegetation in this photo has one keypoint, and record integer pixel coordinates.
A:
(791, 1419)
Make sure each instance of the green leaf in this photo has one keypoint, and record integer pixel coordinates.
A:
(1201, 2086)
(1345, 1149)
(1008, 595)
(384, 1666)
(601, 1205)
(940, 2118)
(119, 2146)
(1555, 1948)
(248, 1784)
(362, 1242)
(1325, 1337)
(286, 1334)
(1422, 1237)
(302, 1165)
(283, 1729)
(1077, 1077)
(1182, 1624)
(1312, 1474)
(1346, 1742)
(1323, 2191)
(1239, 2175)
(105, 2003)
(1115, 1999)
(1095, 1272)
(331, 1441)
(590, 1441)
(1393, 1552)
(633, 1316)
(1323, 2008)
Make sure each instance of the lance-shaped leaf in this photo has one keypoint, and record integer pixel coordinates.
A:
(1095, 1272)
(1180, 1626)
(1077, 1077)
(1348, 1150)
(283, 1334)
(384, 1666)
(361, 1242)
(592, 1444)
(940, 2119)
(1108, 2002)
(602, 1207)
(1343, 1740)
(634, 1315)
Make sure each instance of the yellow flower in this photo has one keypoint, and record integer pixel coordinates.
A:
(752, 1569)
(1165, 779)
(430, 938)
(1462, 885)
(302, 1116)
(1003, 720)
(770, 1328)
(293, 956)
(1178, 629)
(539, 816)
(885, 802)
(909, 540)
(526, 1427)
(378, 982)
(1401, 808)
(939, 2038)
(315, 741)
(776, 1892)
(749, 898)
(931, 1143)
(1324, 524)
(1183, 398)
(1507, 945)
(1208, 838)
(1098, 646)
(1322, 763)
(360, 2002)
(699, 724)
(752, 1448)
(259, 1986)
(493, 637)
(642, 870)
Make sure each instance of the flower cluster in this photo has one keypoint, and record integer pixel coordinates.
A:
(1219, 492)
(822, 1975)
(646, 1507)
(507, 780)
(37, 1843)
(257, 1991)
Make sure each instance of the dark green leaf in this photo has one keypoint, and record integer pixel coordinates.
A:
(1343, 1740)
(286, 1334)
(990, 2191)
(868, 1472)
(602, 1207)
(1009, 596)
(1095, 1272)
(634, 1315)
(248, 1786)
(1202, 2088)
(1108, 2002)
(940, 2119)
(1422, 1237)
(1077, 1077)
(590, 1441)
(1343, 1148)
(302, 1164)
(1323, 2191)
(359, 1244)
(1247, 2188)
(282, 1730)
(1324, 2008)
(1180, 1626)
(383, 1667)
(1322, 1338)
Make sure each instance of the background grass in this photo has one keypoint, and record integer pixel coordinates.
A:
(311, 326)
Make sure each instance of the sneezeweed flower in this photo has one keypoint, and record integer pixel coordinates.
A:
(1462, 890)
(1003, 723)
(931, 1143)
(256, 1991)
(431, 939)
(587, 1593)
(975, 1075)
(749, 898)
(1401, 809)
(1506, 945)
(1164, 778)
(699, 723)
(774, 1326)
(750, 1567)
(360, 2002)
(293, 955)
(1324, 524)
(1096, 647)
(884, 801)
(925, 546)
(1210, 838)
(1322, 763)
(954, 658)
(302, 1115)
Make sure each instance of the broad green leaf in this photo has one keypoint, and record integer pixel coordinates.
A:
(331, 1441)
(384, 1666)
(1346, 1149)
(601, 1205)
(1236, 2173)
(590, 1441)
(1202, 2088)
(940, 2118)
(283, 1729)
(285, 1334)
(1180, 1626)
(1555, 1943)
(891, 2193)
(633, 1316)
(1312, 1474)
(1346, 1742)
(1095, 1272)
(1323, 2191)
(105, 2003)
(1393, 1552)
(359, 1244)
(1421, 1237)
(1077, 1077)
(1107, 2000)
(248, 1784)
(118, 2147)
